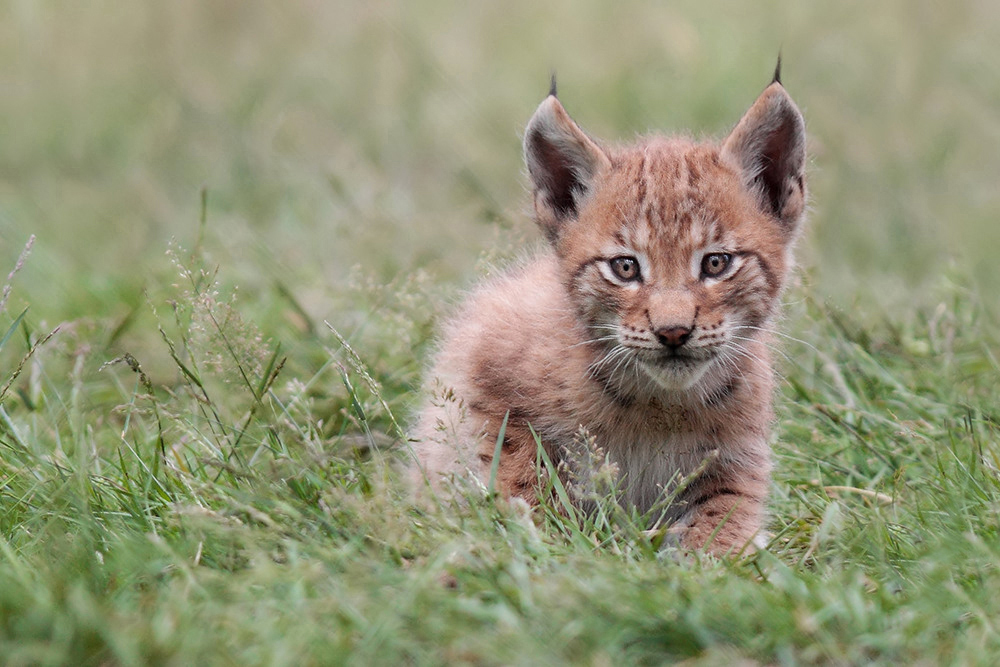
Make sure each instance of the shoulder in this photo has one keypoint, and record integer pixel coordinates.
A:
(524, 290)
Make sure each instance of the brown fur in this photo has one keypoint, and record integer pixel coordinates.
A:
(670, 373)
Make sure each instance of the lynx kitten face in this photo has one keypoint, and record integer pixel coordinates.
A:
(646, 322)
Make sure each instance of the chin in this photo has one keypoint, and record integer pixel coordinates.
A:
(677, 374)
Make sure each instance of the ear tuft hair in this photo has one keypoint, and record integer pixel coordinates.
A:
(777, 70)
(552, 86)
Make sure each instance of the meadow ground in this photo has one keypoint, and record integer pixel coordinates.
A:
(196, 468)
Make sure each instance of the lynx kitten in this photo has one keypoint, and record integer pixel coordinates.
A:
(645, 321)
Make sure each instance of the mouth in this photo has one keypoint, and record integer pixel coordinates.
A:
(675, 369)
(676, 357)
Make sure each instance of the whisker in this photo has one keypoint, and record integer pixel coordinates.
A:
(746, 352)
(600, 339)
(612, 355)
(776, 333)
(623, 361)
(729, 356)
(754, 340)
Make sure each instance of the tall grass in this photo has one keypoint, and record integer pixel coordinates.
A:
(200, 437)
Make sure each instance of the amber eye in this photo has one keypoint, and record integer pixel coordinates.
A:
(715, 263)
(626, 268)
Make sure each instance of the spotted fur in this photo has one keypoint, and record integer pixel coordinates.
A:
(622, 326)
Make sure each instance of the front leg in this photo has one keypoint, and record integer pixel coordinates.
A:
(723, 511)
(517, 473)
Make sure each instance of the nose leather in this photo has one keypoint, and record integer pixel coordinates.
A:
(672, 337)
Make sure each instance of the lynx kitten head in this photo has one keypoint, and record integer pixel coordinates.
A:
(674, 253)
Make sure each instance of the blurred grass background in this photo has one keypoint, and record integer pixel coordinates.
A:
(385, 135)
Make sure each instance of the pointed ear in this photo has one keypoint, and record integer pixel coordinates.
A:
(562, 162)
(769, 147)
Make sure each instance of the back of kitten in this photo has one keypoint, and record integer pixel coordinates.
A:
(646, 321)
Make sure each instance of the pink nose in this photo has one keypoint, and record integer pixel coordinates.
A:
(672, 336)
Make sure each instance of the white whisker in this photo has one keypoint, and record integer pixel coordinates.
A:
(754, 340)
(776, 333)
(600, 339)
(612, 355)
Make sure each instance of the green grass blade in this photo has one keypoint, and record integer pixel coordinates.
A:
(497, 449)
(13, 327)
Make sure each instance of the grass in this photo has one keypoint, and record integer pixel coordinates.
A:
(195, 468)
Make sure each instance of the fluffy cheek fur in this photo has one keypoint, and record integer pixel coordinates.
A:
(750, 298)
(599, 303)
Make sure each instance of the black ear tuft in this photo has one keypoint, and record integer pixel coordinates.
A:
(552, 86)
(777, 70)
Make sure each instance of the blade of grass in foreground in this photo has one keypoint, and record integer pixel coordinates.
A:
(497, 449)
